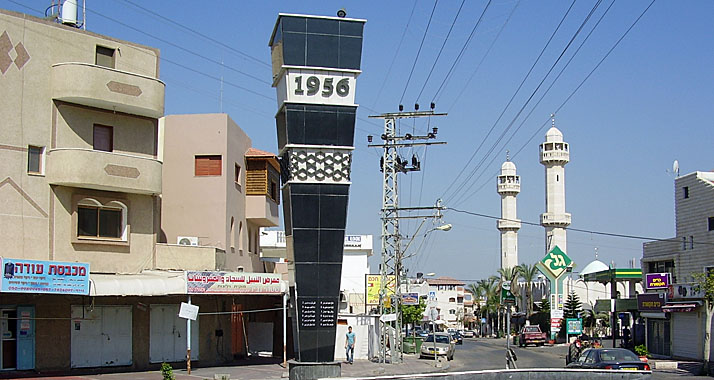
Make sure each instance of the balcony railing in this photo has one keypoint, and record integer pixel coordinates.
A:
(554, 155)
(555, 219)
(99, 170)
(503, 224)
(107, 88)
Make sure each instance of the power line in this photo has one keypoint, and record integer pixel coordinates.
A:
(394, 58)
(440, 50)
(610, 234)
(418, 51)
(483, 141)
(461, 52)
(182, 26)
(478, 66)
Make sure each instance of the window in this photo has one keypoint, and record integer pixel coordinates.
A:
(684, 243)
(103, 138)
(35, 159)
(95, 220)
(691, 242)
(236, 173)
(104, 57)
(208, 165)
(662, 267)
(452, 311)
(273, 190)
(452, 299)
(711, 223)
(685, 192)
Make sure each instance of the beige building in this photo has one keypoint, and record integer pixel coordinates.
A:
(218, 191)
(80, 194)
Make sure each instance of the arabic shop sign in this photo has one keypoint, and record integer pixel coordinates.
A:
(657, 280)
(651, 302)
(232, 283)
(51, 277)
(556, 261)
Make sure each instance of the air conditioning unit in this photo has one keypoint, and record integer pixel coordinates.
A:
(187, 240)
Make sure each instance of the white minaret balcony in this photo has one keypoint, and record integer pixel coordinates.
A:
(508, 224)
(555, 219)
(509, 184)
(554, 153)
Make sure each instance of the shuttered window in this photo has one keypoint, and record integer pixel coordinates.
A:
(104, 57)
(103, 138)
(208, 165)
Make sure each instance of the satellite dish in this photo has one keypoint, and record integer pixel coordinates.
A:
(675, 168)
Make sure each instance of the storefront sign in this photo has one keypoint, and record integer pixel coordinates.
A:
(684, 291)
(188, 311)
(373, 283)
(651, 302)
(555, 324)
(574, 326)
(232, 283)
(52, 277)
(657, 280)
(410, 299)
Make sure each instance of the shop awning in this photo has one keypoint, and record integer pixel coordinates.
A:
(670, 307)
(147, 283)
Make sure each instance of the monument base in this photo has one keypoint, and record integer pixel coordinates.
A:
(313, 371)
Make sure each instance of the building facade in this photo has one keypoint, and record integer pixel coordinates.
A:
(678, 329)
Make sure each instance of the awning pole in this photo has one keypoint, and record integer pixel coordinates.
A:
(188, 341)
(285, 330)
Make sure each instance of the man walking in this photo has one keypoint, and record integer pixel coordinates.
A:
(350, 345)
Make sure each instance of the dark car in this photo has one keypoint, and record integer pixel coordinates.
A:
(609, 358)
(457, 337)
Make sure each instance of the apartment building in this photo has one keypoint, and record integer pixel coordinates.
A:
(676, 329)
(447, 294)
(85, 283)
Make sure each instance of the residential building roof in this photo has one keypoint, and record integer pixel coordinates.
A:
(252, 152)
(444, 280)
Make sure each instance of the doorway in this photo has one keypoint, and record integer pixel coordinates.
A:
(8, 348)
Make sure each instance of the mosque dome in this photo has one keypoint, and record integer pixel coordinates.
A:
(593, 267)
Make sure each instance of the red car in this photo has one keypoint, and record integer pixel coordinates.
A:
(531, 335)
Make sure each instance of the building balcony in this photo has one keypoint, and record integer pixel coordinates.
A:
(553, 219)
(99, 170)
(261, 210)
(509, 188)
(186, 257)
(107, 88)
(554, 156)
(508, 224)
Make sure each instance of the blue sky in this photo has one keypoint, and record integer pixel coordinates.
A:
(649, 103)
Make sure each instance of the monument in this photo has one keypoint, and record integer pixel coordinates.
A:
(315, 61)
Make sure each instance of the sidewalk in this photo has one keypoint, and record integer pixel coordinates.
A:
(260, 370)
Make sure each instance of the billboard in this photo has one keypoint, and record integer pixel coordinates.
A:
(209, 282)
(51, 277)
(372, 285)
(651, 302)
(657, 280)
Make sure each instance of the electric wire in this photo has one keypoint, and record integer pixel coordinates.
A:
(483, 141)
(505, 131)
(539, 101)
(411, 72)
(463, 49)
(478, 66)
(426, 81)
(182, 26)
(394, 58)
(545, 123)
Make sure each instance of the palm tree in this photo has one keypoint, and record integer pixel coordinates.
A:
(528, 273)
(487, 288)
(510, 276)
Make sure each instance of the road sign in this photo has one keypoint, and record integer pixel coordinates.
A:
(506, 296)
(574, 326)
(556, 261)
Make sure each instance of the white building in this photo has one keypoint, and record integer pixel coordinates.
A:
(554, 155)
(678, 331)
(355, 266)
(447, 296)
(508, 186)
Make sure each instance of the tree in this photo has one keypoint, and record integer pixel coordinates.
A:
(413, 314)
(528, 273)
(572, 306)
(544, 305)
(705, 281)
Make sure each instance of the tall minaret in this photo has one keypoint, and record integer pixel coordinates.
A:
(554, 154)
(508, 186)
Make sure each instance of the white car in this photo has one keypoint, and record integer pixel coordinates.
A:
(444, 346)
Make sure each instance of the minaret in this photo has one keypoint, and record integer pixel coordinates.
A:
(508, 186)
(554, 154)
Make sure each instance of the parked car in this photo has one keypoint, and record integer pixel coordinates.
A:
(444, 346)
(609, 358)
(531, 335)
(469, 334)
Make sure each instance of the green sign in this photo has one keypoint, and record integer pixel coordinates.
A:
(506, 296)
(574, 326)
(556, 261)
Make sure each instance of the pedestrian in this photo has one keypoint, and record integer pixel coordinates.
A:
(350, 345)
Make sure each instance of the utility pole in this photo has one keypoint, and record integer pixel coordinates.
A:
(392, 164)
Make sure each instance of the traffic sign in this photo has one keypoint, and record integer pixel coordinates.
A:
(556, 261)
